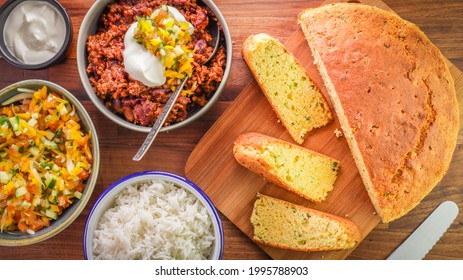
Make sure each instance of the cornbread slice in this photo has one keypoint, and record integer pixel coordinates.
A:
(285, 225)
(294, 97)
(304, 172)
(394, 96)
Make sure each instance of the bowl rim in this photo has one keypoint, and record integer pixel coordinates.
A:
(82, 65)
(62, 52)
(53, 230)
(154, 174)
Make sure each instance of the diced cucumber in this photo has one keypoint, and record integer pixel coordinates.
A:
(54, 192)
(5, 177)
(46, 179)
(78, 195)
(36, 201)
(26, 204)
(20, 192)
(50, 214)
(32, 122)
(50, 144)
(67, 192)
(34, 151)
(50, 135)
(55, 168)
(14, 121)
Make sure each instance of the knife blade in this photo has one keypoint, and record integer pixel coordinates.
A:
(421, 241)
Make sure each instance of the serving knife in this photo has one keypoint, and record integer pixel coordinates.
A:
(421, 241)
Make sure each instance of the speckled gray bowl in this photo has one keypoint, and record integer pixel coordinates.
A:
(73, 211)
(88, 27)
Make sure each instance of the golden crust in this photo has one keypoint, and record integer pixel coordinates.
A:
(350, 228)
(394, 97)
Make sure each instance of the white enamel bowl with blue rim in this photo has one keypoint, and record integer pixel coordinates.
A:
(106, 200)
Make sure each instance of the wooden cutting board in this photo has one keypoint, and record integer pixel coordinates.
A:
(232, 188)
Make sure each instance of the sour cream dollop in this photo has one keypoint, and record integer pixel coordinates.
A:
(139, 62)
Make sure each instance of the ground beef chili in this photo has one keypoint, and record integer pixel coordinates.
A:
(130, 98)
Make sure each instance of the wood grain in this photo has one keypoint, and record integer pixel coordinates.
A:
(441, 20)
(233, 188)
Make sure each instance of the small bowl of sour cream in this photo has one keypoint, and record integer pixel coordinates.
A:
(35, 34)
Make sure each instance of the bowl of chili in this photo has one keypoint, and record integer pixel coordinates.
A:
(128, 101)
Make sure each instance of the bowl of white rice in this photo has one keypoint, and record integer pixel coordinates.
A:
(153, 215)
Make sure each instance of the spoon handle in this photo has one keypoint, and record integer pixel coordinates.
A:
(159, 122)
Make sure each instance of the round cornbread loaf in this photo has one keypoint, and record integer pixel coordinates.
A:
(394, 96)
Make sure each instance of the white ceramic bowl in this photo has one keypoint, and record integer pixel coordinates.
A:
(73, 211)
(106, 201)
(89, 26)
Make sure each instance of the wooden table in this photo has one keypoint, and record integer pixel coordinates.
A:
(441, 20)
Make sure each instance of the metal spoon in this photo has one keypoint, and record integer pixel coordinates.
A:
(13, 96)
(215, 32)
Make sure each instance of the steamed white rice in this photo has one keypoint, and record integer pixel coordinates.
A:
(154, 220)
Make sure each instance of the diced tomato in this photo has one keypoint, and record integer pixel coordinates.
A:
(37, 224)
(53, 126)
(33, 189)
(83, 175)
(17, 216)
(22, 226)
(79, 187)
(63, 202)
(28, 197)
(11, 209)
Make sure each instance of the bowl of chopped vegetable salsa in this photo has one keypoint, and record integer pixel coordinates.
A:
(49, 161)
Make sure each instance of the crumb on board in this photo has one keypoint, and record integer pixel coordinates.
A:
(338, 133)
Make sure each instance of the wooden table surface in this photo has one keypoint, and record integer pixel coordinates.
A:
(441, 20)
